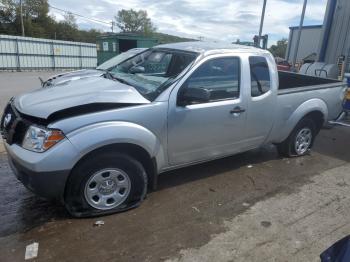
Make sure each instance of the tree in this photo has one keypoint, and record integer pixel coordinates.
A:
(7, 16)
(36, 9)
(70, 20)
(67, 29)
(38, 23)
(132, 21)
(279, 50)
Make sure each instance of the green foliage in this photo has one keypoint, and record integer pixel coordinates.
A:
(37, 22)
(132, 21)
(7, 16)
(280, 49)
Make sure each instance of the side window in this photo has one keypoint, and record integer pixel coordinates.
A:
(259, 75)
(220, 77)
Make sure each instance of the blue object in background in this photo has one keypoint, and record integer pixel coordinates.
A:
(347, 100)
(338, 252)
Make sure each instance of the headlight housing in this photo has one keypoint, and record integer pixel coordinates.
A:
(39, 139)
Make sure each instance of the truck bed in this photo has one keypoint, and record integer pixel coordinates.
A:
(297, 89)
(292, 82)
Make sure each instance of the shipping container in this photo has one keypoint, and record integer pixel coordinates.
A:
(110, 45)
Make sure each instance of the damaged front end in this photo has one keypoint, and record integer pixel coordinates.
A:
(14, 125)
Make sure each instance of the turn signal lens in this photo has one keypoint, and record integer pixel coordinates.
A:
(40, 139)
(55, 137)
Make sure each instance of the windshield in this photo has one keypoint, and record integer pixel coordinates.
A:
(150, 71)
(119, 58)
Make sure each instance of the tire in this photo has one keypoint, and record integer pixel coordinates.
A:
(289, 147)
(105, 183)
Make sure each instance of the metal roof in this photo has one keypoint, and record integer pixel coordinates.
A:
(203, 47)
(306, 27)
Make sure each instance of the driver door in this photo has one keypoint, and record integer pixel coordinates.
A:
(208, 128)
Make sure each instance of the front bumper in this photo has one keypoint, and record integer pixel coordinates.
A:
(43, 173)
(49, 185)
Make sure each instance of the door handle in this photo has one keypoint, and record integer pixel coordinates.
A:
(237, 110)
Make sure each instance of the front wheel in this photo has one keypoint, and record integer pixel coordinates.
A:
(300, 141)
(105, 183)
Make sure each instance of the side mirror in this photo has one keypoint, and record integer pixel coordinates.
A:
(137, 70)
(193, 95)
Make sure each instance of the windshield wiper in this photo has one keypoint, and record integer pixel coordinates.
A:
(110, 76)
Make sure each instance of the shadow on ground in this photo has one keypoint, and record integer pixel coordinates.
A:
(216, 167)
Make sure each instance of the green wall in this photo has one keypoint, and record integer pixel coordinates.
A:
(104, 53)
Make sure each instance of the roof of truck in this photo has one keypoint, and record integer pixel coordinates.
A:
(216, 47)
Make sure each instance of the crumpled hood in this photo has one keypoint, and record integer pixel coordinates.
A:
(46, 101)
(72, 76)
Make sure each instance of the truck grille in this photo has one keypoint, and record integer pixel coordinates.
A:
(12, 126)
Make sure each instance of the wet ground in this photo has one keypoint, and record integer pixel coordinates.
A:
(250, 207)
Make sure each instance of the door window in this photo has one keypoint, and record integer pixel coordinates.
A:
(259, 75)
(220, 77)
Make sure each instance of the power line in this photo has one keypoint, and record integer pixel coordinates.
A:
(82, 16)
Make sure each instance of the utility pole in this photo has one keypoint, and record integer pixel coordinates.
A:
(112, 26)
(299, 33)
(262, 22)
(21, 11)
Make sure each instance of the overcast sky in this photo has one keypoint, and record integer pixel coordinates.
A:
(213, 19)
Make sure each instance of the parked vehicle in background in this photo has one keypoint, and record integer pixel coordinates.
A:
(282, 64)
(64, 78)
(99, 143)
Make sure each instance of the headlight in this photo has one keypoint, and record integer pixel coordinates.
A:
(40, 139)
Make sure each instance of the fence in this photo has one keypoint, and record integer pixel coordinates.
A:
(27, 53)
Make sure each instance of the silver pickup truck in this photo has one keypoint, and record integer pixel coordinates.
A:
(98, 144)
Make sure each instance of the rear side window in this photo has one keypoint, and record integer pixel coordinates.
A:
(259, 75)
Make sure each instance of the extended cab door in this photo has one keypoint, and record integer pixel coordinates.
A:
(207, 112)
(262, 99)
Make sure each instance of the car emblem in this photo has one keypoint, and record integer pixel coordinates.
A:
(7, 120)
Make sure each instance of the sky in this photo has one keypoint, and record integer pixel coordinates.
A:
(226, 20)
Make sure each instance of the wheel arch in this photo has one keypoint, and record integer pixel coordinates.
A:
(318, 117)
(133, 150)
(316, 109)
(123, 137)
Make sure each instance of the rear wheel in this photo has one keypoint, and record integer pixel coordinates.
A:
(300, 141)
(105, 183)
